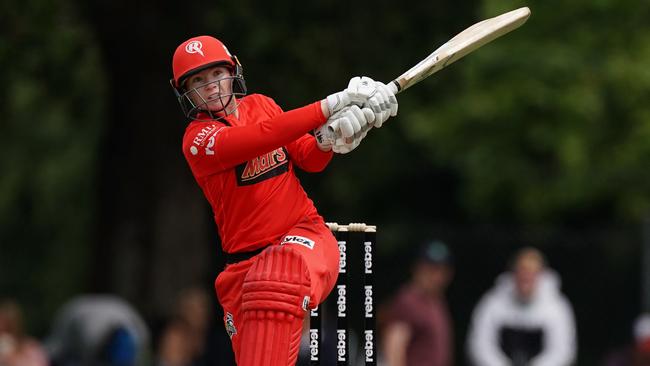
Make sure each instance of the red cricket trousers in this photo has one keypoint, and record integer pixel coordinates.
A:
(313, 240)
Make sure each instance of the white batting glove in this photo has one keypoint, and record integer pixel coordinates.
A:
(357, 116)
(343, 147)
(344, 130)
(362, 91)
(389, 104)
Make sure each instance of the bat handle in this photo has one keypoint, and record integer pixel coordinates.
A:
(395, 87)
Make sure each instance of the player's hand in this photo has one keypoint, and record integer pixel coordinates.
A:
(375, 95)
(364, 92)
(359, 90)
(389, 106)
(344, 130)
(345, 146)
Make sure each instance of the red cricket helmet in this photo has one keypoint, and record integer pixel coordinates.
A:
(195, 55)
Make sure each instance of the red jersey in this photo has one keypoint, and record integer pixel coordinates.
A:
(245, 167)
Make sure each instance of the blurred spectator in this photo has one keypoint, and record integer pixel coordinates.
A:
(98, 330)
(418, 328)
(524, 319)
(187, 339)
(637, 354)
(16, 348)
(642, 341)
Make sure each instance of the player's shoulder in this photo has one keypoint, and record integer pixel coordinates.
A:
(207, 125)
(262, 101)
(258, 98)
(197, 132)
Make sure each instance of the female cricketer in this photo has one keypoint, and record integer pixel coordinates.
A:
(243, 151)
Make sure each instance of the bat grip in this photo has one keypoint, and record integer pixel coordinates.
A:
(394, 86)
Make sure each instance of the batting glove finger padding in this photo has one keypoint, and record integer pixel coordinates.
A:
(337, 101)
(348, 121)
(389, 105)
(361, 89)
(358, 117)
(344, 127)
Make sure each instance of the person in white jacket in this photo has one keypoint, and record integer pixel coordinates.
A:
(524, 320)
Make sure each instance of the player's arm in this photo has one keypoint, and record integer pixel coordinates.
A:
(234, 145)
(307, 155)
(210, 149)
(229, 146)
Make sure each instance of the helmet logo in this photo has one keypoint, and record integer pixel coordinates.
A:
(194, 47)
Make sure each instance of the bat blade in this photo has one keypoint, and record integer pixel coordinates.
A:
(459, 46)
(456, 48)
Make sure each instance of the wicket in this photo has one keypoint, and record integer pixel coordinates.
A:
(369, 348)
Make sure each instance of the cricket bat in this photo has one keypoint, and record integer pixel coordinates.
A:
(462, 44)
(456, 48)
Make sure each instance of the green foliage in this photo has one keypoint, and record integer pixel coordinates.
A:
(551, 120)
(53, 102)
(548, 124)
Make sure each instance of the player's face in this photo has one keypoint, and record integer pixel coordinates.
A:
(526, 276)
(211, 87)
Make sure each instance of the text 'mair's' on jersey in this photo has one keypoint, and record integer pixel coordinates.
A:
(245, 168)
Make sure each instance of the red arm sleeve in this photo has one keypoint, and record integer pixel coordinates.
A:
(235, 145)
(305, 153)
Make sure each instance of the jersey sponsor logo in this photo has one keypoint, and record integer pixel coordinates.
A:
(201, 136)
(300, 240)
(229, 322)
(194, 47)
(205, 139)
(263, 167)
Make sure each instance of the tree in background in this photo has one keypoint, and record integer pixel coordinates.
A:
(547, 127)
(552, 122)
(53, 103)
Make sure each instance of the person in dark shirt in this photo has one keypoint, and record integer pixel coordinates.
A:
(419, 328)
